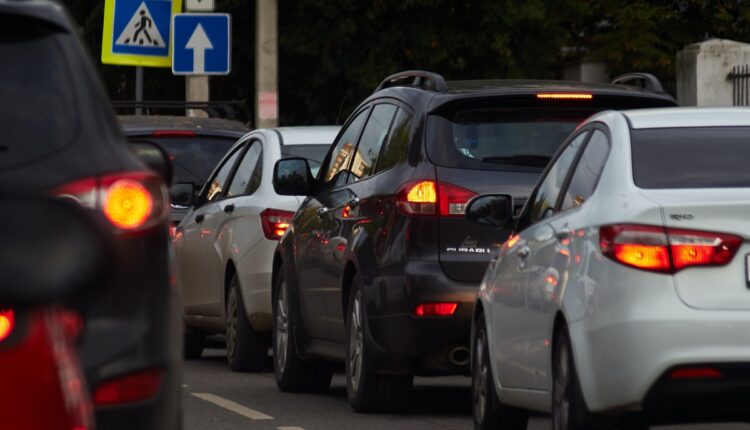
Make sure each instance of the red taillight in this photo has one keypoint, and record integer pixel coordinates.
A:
(564, 96)
(431, 198)
(7, 322)
(275, 222)
(173, 133)
(435, 309)
(696, 373)
(666, 249)
(131, 388)
(130, 201)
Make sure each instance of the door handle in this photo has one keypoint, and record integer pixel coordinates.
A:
(353, 202)
(228, 209)
(199, 218)
(523, 252)
(322, 211)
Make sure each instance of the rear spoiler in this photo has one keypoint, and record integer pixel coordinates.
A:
(646, 81)
(224, 109)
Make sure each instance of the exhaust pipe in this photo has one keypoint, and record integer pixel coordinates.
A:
(459, 356)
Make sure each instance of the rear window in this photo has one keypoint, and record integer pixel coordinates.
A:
(313, 153)
(694, 157)
(501, 139)
(38, 112)
(193, 158)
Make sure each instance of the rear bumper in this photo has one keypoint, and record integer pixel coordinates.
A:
(419, 344)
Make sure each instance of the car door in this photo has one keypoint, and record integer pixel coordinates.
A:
(510, 298)
(316, 227)
(553, 248)
(204, 280)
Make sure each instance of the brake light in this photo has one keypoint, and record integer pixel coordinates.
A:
(696, 373)
(7, 322)
(665, 249)
(173, 133)
(564, 96)
(435, 309)
(130, 201)
(275, 222)
(131, 388)
(428, 198)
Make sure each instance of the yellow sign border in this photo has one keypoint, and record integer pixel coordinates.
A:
(109, 57)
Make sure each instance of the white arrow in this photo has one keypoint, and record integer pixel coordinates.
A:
(199, 43)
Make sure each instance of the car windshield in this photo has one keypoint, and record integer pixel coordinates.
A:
(313, 153)
(194, 158)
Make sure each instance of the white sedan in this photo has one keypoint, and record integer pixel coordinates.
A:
(623, 298)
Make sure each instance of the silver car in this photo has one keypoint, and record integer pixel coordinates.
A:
(224, 245)
(623, 299)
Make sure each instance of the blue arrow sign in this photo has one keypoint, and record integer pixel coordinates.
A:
(201, 44)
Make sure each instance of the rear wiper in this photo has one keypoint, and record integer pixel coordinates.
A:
(528, 159)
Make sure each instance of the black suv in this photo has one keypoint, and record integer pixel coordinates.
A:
(60, 138)
(379, 268)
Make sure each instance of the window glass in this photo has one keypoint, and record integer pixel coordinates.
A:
(547, 193)
(343, 152)
(397, 147)
(376, 131)
(193, 158)
(247, 178)
(587, 172)
(218, 183)
(314, 153)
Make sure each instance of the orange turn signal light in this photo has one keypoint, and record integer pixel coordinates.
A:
(128, 204)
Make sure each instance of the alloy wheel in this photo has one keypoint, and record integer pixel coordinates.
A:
(282, 327)
(561, 395)
(479, 379)
(356, 342)
(232, 323)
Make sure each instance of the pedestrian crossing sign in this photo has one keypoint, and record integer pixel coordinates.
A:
(138, 32)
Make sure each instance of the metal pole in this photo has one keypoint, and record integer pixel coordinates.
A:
(139, 89)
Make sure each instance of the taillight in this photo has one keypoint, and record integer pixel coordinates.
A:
(173, 133)
(695, 373)
(430, 198)
(666, 249)
(7, 322)
(435, 309)
(129, 201)
(131, 388)
(564, 96)
(275, 222)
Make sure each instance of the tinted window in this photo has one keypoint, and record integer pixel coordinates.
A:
(37, 103)
(247, 178)
(694, 157)
(313, 153)
(373, 137)
(397, 147)
(218, 183)
(547, 193)
(343, 152)
(193, 158)
(588, 170)
(501, 139)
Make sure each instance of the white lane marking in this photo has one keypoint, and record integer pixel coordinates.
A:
(232, 406)
(289, 428)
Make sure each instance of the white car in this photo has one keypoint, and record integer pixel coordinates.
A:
(224, 245)
(623, 298)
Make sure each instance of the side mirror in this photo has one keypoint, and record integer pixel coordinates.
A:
(155, 158)
(292, 177)
(182, 194)
(51, 250)
(494, 210)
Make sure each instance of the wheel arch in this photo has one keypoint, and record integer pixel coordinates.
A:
(350, 271)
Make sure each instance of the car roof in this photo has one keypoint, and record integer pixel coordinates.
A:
(308, 135)
(688, 117)
(145, 124)
(43, 10)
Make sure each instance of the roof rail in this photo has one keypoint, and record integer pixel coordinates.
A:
(646, 80)
(415, 78)
(218, 109)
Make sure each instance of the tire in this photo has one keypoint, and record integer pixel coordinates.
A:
(569, 410)
(292, 374)
(247, 350)
(368, 391)
(193, 344)
(488, 411)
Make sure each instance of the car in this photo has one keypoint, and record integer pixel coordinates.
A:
(61, 138)
(379, 269)
(193, 144)
(623, 297)
(225, 244)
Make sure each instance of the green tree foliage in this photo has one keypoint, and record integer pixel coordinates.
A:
(334, 52)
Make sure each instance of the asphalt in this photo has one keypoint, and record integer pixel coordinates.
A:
(216, 398)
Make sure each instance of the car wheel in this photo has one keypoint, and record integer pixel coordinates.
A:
(193, 344)
(292, 374)
(489, 412)
(367, 390)
(569, 410)
(247, 350)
